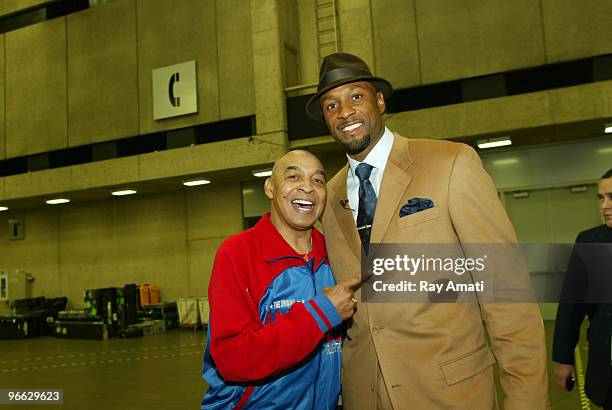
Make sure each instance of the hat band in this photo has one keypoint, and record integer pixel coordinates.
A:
(340, 73)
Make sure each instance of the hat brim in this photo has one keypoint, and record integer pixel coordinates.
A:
(313, 106)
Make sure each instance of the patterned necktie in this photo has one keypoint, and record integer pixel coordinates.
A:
(367, 204)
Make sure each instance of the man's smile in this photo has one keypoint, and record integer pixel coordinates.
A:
(303, 205)
(351, 127)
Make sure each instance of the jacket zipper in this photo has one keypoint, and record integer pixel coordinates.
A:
(318, 367)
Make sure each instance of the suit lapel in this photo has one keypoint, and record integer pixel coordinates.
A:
(343, 215)
(394, 183)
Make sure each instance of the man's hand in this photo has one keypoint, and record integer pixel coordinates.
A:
(562, 372)
(341, 296)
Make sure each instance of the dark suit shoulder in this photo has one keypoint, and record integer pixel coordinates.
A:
(598, 234)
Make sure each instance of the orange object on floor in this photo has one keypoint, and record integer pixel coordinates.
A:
(149, 294)
(154, 294)
(145, 295)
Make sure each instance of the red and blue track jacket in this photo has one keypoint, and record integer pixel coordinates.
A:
(270, 343)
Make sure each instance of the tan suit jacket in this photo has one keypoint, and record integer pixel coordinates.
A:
(435, 355)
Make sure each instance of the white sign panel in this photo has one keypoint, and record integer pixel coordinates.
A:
(175, 90)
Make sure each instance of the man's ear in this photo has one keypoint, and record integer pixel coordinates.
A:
(380, 101)
(269, 188)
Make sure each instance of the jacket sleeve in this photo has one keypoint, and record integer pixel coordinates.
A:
(242, 347)
(570, 312)
(516, 330)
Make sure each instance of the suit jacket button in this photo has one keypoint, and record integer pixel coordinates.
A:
(375, 330)
(371, 387)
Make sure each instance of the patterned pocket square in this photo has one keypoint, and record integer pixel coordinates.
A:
(415, 205)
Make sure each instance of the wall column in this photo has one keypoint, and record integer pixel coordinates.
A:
(270, 108)
(356, 33)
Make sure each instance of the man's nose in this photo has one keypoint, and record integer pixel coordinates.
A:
(307, 186)
(346, 110)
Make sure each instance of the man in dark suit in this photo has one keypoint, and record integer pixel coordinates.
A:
(401, 191)
(585, 271)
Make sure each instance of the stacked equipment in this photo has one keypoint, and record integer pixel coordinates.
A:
(107, 313)
(31, 317)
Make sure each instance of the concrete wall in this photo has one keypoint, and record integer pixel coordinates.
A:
(86, 77)
(474, 37)
(204, 159)
(35, 88)
(401, 67)
(268, 67)
(11, 6)
(103, 85)
(500, 115)
(2, 99)
(169, 239)
(412, 42)
(178, 31)
(290, 41)
(575, 29)
(308, 65)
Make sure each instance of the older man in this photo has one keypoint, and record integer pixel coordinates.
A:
(274, 308)
(395, 190)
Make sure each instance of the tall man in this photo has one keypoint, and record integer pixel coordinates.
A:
(395, 190)
(273, 303)
(586, 269)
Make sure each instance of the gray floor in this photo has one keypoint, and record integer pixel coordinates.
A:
(159, 372)
(154, 372)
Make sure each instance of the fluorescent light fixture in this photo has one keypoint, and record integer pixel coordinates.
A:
(3, 208)
(578, 189)
(608, 128)
(196, 182)
(607, 150)
(521, 194)
(123, 192)
(494, 142)
(505, 161)
(56, 201)
(262, 172)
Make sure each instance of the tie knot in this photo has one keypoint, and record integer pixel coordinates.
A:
(363, 171)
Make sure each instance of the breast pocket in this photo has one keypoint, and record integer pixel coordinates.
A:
(418, 217)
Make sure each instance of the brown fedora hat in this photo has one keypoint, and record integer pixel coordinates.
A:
(338, 69)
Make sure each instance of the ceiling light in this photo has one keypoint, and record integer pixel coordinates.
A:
(195, 182)
(578, 189)
(56, 201)
(494, 142)
(608, 128)
(262, 172)
(3, 208)
(521, 194)
(506, 161)
(123, 192)
(607, 150)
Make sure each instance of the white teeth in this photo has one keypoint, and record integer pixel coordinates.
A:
(301, 202)
(351, 127)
